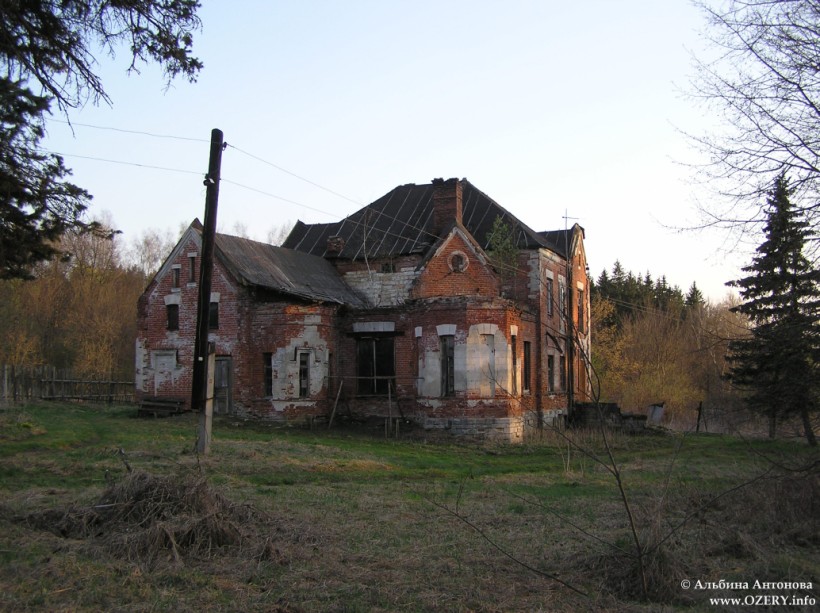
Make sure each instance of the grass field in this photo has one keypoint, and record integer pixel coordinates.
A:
(292, 520)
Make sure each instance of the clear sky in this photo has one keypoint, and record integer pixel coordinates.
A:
(554, 109)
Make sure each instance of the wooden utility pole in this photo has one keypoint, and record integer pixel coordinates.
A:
(201, 391)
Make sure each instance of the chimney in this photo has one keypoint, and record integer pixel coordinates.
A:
(335, 244)
(446, 203)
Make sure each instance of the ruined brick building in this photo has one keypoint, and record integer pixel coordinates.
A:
(399, 308)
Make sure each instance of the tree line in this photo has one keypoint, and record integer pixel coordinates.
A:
(79, 311)
(759, 351)
(652, 343)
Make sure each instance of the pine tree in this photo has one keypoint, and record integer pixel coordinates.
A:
(502, 248)
(48, 58)
(694, 297)
(778, 362)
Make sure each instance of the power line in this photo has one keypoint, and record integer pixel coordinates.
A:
(241, 185)
(125, 131)
(293, 174)
(203, 140)
(250, 155)
(347, 219)
(123, 163)
(282, 198)
(404, 224)
(380, 214)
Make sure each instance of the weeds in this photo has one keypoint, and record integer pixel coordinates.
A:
(144, 517)
(293, 520)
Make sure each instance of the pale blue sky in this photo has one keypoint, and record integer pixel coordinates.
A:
(551, 108)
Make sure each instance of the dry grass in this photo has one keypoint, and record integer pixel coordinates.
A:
(736, 536)
(146, 517)
(295, 521)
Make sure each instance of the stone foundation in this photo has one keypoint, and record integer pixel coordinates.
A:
(501, 429)
(497, 429)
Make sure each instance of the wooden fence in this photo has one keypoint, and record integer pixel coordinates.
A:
(18, 384)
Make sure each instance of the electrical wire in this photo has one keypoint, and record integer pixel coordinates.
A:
(568, 321)
(404, 224)
(381, 215)
(126, 131)
(121, 162)
(293, 174)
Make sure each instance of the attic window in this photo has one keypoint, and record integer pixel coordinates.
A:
(458, 261)
(192, 268)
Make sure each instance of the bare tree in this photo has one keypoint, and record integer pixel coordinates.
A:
(278, 233)
(148, 250)
(763, 86)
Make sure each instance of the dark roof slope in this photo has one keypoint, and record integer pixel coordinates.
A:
(401, 221)
(284, 270)
(558, 241)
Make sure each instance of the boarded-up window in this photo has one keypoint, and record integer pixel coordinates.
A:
(487, 366)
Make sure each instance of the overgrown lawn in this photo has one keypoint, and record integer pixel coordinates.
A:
(347, 520)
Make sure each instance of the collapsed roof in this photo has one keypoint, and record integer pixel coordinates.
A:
(401, 223)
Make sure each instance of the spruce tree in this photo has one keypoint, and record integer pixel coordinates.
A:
(694, 297)
(49, 54)
(778, 362)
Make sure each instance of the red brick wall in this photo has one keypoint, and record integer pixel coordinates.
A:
(439, 278)
(252, 323)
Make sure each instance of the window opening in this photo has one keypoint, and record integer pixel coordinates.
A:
(267, 361)
(515, 364)
(581, 310)
(304, 375)
(213, 316)
(525, 382)
(375, 365)
(551, 373)
(172, 314)
(562, 364)
(448, 365)
(562, 301)
(550, 298)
